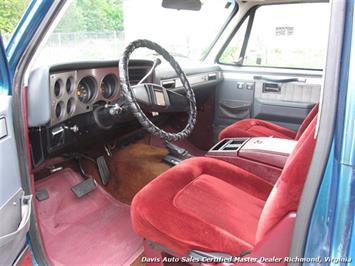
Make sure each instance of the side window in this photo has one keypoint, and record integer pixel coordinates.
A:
(286, 36)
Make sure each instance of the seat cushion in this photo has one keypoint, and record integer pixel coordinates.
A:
(203, 204)
(256, 128)
(202, 198)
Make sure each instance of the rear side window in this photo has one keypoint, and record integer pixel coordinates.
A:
(286, 36)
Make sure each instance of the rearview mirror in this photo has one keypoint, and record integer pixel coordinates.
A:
(194, 5)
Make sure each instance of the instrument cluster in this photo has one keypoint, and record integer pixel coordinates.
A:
(78, 91)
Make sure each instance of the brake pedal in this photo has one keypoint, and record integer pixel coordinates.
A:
(84, 187)
(103, 170)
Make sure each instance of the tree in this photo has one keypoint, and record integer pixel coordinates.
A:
(92, 16)
(81, 15)
(10, 14)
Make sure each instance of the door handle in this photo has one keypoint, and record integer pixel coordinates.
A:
(286, 80)
(271, 87)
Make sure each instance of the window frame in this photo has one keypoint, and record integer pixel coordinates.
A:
(251, 14)
(222, 29)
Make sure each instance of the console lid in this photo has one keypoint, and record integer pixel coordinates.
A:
(268, 150)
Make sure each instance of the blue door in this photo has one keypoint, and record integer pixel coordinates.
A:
(15, 206)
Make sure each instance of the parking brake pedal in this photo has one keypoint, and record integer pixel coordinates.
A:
(103, 170)
(84, 187)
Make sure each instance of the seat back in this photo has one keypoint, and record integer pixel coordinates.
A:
(286, 194)
(307, 121)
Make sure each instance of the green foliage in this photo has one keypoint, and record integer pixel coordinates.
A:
(10, 14)
(81, 15)
(230, 54)
(92, 16)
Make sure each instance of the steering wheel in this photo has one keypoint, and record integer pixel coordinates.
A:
(155, 98)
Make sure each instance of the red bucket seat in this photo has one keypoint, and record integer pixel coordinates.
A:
(210, 205)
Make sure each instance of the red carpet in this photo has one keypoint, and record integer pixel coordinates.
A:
(93, 230)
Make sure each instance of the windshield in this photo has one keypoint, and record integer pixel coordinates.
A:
(100, 29)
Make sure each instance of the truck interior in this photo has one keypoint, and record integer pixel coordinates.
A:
(152, 151)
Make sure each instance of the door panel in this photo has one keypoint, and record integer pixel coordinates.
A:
(9, 177)
(279, 96)
(234, 100)
(15, 207)
(15, 223)
(285, 103)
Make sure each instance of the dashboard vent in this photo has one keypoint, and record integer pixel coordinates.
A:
(136, 74)
(212, 76)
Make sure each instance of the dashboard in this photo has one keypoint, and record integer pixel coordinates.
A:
(69, 105)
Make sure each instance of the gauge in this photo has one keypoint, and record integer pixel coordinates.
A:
(70, 106)
(59, 109)
(86, 89)
(108, 86)
(69, 85)
(58, 87)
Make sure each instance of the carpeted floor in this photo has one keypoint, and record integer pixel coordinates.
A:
(93, 230)
(66, 222)
(135, 166)
(131, 168)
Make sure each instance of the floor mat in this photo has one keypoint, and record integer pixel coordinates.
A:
(93, 230)
(134, 167)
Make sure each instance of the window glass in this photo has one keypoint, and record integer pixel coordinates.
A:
(10, 14)
(232, 53)
(288, 36)
(100, 29)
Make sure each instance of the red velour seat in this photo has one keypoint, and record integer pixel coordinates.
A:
(210, 205)
(261, 128)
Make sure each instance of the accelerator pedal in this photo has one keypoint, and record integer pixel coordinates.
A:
(84, 188)
(103, 170)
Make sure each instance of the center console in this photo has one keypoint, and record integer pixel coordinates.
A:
(262, 156)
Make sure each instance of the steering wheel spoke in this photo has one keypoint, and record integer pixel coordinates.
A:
(155, 98)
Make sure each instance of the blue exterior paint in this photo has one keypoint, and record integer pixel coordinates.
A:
(5, 81)
(24, 32)
(331, 231)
